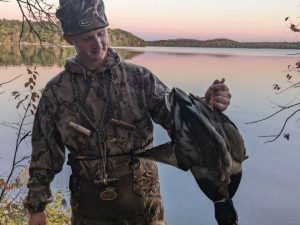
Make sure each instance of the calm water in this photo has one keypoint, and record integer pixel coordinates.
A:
(269, 192)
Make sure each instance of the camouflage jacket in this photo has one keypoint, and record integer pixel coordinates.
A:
(135, 95)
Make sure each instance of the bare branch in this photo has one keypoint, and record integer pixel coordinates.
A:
(40, 21)
(8, 125)
(282, 108)
(1, 84)
(278, 135)
(23, 138)
(265, 136)
(22, 159)
(18, 142)
(289, 87)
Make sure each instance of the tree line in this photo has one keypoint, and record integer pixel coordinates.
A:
(10, 32)
(223, 43)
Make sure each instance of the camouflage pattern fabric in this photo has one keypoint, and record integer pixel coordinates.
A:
(80, 16)
(134, 221)
(137, 97)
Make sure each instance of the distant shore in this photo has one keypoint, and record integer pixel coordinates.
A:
(10, 31)
(199, 44)
(223, 43)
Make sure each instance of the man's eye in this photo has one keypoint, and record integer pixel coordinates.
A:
(101, 34)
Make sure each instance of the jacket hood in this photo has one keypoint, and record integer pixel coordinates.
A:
(112, 60)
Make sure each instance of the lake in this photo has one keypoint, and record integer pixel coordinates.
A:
(269, 191)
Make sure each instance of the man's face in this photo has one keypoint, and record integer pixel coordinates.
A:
(91, 47)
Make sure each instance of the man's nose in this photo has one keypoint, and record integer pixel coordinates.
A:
(97, 43)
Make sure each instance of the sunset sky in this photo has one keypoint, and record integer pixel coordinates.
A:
(244, 20)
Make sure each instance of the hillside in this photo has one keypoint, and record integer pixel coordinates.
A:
(194, 43)
(10, 31)
(118, 37)
(222, 43)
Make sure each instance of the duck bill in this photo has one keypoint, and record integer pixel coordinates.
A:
(162, 153)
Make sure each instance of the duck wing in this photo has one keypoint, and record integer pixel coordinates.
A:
(162, 153)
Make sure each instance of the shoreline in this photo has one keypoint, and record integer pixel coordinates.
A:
(162, 46)
(293, 53)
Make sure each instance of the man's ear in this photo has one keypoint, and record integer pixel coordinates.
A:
(68, 39)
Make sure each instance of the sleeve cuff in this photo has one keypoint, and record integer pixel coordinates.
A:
(35, 209)
(37, 206)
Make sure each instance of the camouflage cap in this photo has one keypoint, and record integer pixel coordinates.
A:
(80, 16)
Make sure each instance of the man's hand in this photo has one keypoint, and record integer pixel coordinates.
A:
(218, 95)
(37, 218)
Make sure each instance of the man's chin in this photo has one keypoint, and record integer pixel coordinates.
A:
(97, 58)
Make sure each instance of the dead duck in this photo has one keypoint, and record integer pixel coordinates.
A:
(206, 142)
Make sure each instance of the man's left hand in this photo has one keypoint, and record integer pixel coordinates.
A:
(218, 95)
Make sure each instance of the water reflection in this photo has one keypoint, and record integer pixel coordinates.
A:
(269, 193)
(34, 54)
(30, 54)
(128, 55)
(11, 56)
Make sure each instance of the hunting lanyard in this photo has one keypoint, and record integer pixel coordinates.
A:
(79, 101)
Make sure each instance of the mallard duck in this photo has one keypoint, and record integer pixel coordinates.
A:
(206, 142)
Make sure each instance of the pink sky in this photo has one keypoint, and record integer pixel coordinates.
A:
(244, 20)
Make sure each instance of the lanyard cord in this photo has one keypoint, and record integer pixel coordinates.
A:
(98, 130)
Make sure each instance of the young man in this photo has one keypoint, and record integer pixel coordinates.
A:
(101, 109)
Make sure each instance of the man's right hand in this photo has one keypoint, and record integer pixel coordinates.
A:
(38, 218)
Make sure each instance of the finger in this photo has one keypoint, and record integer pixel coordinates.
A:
(223, 80)
(221, 103)
(219, 106)
(225, 94)
(218, 81)
(219, 87)
(222, 100)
